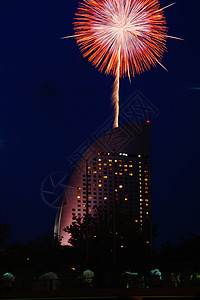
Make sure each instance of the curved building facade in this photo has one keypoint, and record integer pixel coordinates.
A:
(119, 169)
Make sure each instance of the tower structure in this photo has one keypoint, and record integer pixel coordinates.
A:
(118, 166)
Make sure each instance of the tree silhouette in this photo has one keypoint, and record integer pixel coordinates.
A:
(5, 232)
(132, 244)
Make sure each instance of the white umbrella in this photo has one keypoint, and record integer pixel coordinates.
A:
(8, 277)
(49, 275)
(88, 274)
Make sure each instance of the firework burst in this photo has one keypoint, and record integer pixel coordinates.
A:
(121, 37)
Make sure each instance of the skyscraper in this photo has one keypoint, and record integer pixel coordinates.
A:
(118, 167)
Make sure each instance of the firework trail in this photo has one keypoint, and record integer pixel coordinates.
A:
(121, 37)
(115, 96)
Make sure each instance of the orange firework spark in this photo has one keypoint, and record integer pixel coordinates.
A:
(121, 37)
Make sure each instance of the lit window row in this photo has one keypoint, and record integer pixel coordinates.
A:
(123, 154)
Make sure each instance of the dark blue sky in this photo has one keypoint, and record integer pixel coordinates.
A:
(52, 101)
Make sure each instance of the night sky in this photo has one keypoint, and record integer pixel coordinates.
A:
(52, 101)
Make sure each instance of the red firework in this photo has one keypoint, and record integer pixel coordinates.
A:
(135, 28)
(121, 37)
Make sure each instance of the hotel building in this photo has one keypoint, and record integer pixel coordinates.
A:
(118, 167)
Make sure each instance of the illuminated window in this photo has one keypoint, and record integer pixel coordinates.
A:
(146, 188)
(99, 159)
(115, 190)
(99, 168)
(130, 166)
(89, 168)
(136, 221)
(110, 160)
(79, 197)
(139, 155)
(115, 160)
(89, 197)
(105, 198)
(122, 246)
(94, 172)
(99, 164)
(105, 164)
(146, 200)
(105, 177)
(100, 185)
(147, 213)
(79, 188)
(126, 199)
(89, 210)
(115, 173)
(125, 166)
(120, 165)
(141, 199)
(125, 170)
(145, 179)
(120, 174)
(146, 192)
(147, 242)
(130, 174)
(147, 204)
(120, 186)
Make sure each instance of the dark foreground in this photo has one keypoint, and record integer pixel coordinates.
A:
(137, 294)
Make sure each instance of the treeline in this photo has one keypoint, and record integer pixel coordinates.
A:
(133, 250)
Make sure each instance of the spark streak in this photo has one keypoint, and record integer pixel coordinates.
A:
(115, 96)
